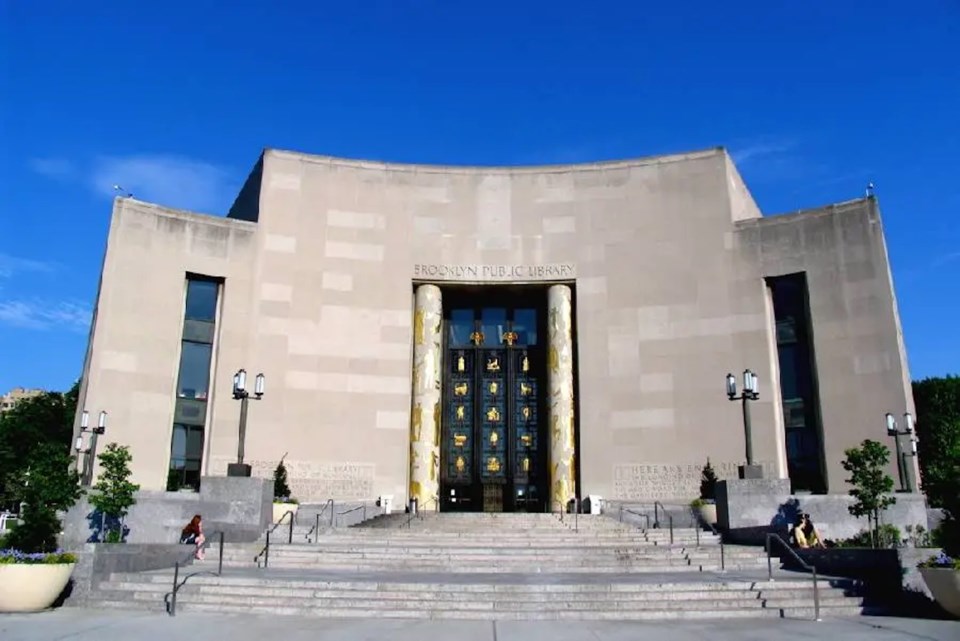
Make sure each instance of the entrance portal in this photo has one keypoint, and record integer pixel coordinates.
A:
(493, 454)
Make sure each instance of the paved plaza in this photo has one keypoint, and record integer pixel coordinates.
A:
(95, 625)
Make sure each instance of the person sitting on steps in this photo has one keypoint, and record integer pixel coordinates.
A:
(193, 534)
(805, 534)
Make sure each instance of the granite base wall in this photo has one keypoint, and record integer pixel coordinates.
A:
(240, 507)
(748, 509)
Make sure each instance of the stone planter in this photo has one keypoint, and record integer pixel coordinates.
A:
(31, 587)
(944, 585)
(279, 509)
(708, 513)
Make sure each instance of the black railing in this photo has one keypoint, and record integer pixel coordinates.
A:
(418, 514)
(657, 506)
(265, 552)
(698, 523)
(796, 557)
(316, 526)
(643, 515)
(170, 598)
(362, 506)
(563, 510)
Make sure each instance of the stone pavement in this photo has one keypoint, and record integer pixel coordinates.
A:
(95, 625)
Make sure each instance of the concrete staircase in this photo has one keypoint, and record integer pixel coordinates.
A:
(491, 566)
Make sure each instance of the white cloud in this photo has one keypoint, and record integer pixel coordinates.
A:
(59, 168)
(39, 314)
(10, 265)
(764, 149)
(174, 181)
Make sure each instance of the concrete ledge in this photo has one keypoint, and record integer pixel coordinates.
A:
(97, 561)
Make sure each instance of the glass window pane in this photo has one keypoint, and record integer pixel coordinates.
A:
(461, 326)
(525, 325)
(178, 448)
(494, 322)
(194, 370)
(195, 443)
(201, 300)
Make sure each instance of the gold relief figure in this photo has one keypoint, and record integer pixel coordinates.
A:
(525, 412)
(460, 464)
(434, 464)
(572, 442)
(436, 424)
(461, 364)
(525, 390)
(493, 387)
(416, 422)
(476, 338)
(418, 332)
(527, 440)
(493, 464)
(526, 465)
(494, 438)
(525, 364)
(416, 376)
(554, 420)
(461, 412)
(459, 440)
(493, 364)
(493, 414)
(415, 488)
(510, 337)
(553, 359)
(460, 389)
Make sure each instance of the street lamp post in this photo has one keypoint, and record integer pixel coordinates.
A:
(89, 454)
(750, 393)
(893, 430)
(241, 394)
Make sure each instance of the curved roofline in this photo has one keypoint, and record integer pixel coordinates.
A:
(489, 169)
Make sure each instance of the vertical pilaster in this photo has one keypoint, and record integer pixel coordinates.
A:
(425, 413)
(560, 380)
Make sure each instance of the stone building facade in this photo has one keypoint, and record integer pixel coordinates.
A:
(495, 338)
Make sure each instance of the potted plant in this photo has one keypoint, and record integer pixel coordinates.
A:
(705, 506)
(33, 571)
(114, 493)
(941, 573)
(282, 501)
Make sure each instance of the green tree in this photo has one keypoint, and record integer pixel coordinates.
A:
(281, 491)
(114, 493)
(45, 485)
(46, 418)
(870, 484)
(938, 431)
(708, 482)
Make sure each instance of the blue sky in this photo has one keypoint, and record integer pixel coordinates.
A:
(174, 101)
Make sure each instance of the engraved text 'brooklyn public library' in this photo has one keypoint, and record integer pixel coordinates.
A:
(562, 271)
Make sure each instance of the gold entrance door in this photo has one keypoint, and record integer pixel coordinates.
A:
(491, 455)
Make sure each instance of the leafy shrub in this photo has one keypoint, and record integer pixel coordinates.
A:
(281, 491)
(888, 536)
(114, 493)
(708, 483)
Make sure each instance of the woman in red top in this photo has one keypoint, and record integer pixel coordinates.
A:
(193, 533)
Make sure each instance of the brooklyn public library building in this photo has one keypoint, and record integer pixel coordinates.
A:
(494, 338)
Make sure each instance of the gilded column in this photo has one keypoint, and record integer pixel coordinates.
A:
(425, 413)
(560, 380)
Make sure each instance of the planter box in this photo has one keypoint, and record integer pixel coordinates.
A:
(32, 587)
(708, 513)
(944, 585)
(279, 509)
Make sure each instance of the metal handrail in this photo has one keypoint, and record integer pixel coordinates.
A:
(700, 523)
(170, 598)
(417, 515)
(362, 506)
(563, 509)
(265, 552)
(645, 516)
(796, 557)
(656, 517)
(316, 526)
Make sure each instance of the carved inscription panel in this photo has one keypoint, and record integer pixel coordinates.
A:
(661, 481)
(312, 482)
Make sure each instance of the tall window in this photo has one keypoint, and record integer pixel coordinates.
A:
(798, 389)
(193, 383)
